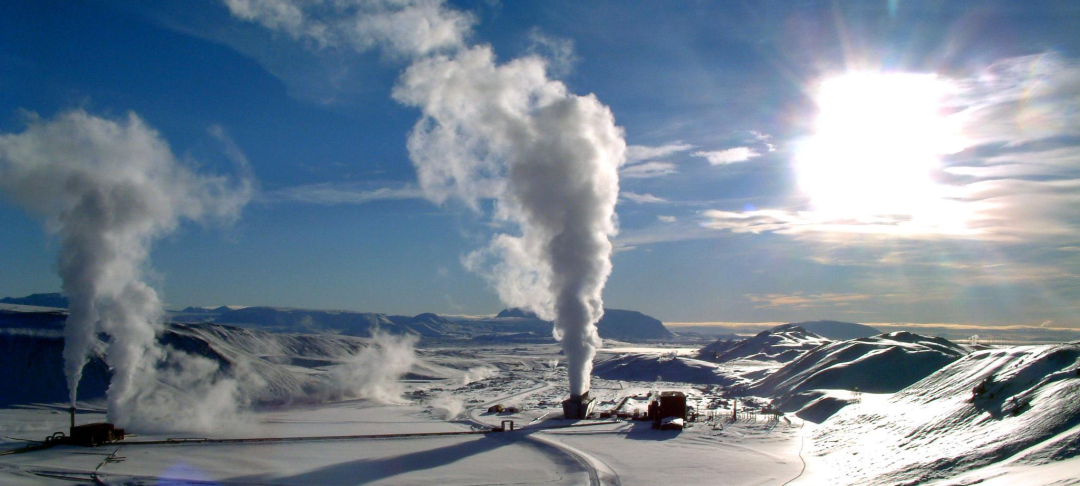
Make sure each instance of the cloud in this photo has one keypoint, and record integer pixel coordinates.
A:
(1013, 183)
(558, 51)
(648, 170)
(728, 156)
(666, 219)
(641, 198)
(763, 138)
(406, 28)
(641, 153)
(334, 193)
(799, 300)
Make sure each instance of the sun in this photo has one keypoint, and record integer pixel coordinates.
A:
(878, 139)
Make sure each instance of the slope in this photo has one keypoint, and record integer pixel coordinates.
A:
(1026, 416)
(781, 344)
(878, 364)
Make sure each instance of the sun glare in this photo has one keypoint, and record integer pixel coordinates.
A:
(878, 139)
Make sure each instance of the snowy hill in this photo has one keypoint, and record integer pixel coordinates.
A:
(1024, 427)
(288, 367)
(651, 367)
(781, 344)
(837, 330)
(878, 364)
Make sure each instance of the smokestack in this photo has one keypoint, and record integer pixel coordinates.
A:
(72, 429)
(578, 406)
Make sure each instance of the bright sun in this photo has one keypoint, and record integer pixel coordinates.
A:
(878, 139)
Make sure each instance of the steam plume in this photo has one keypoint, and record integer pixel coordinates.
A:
(550, 160)
(375, 372)
(506, 132)
(108, 189)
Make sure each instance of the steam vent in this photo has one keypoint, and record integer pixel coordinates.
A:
(578, 407)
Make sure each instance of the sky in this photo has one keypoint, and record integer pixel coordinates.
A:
(867, 161)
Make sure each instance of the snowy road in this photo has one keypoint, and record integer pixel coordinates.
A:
(599, 472)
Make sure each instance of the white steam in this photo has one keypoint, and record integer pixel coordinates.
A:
(549, 158)
(478, 373)
(108, 189)
(375, 372)
(450, 406)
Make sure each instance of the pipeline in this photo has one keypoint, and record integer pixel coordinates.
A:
(263, 440)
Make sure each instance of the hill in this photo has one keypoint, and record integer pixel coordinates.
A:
(275, 367)
(651, 367)
(1024, 424)
(38, 300)
(879, 364)
(617, 324)
(781, 344)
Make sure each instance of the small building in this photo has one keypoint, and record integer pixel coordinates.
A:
(667, 404)
(91, 435)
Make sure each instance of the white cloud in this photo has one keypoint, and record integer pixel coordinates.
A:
(648, 170)
(559, 52)
(641, 198)
(1017, 181)
(641, 153)
(331, 193)
(764, 138)
(666, 219)
(799, 300)
(728, 156)
(401, 27)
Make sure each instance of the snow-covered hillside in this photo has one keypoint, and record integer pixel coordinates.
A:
(879, 364)
(839, 330)
(781, 344)
(288, 367)
(1001, 414)
(653, 367)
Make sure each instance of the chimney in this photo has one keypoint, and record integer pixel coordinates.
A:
(72, 430)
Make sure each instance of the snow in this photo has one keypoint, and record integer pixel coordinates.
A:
(937, 429)
(914, 421)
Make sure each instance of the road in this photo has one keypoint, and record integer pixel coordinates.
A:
(599, 472)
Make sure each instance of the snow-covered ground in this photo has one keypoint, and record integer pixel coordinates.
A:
(1023, 427)
(543, 449)
(1012, 415)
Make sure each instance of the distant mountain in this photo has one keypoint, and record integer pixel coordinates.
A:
(282, 319)
(38, 300)
(838, 330)
(781, 344)
(516, 312)
(617, 324)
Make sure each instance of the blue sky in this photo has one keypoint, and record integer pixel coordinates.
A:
(721, 103)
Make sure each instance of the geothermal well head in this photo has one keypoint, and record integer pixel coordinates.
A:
(578, 407)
